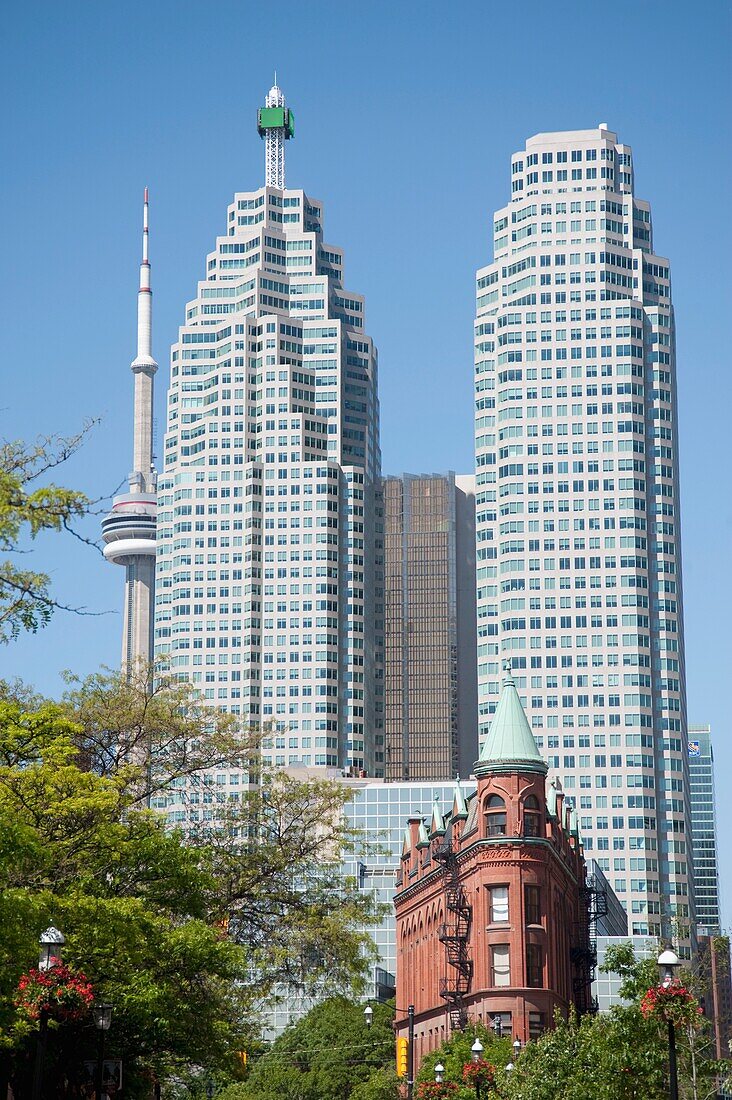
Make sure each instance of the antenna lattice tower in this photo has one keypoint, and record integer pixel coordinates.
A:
(275, 123)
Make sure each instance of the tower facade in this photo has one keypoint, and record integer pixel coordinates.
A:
(129, 529)
(704, 831)
(579, 556)
(429, 626)
(267, 565)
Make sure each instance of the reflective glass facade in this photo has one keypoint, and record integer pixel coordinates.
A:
(381, 810)
(430, 693)
(704, 831)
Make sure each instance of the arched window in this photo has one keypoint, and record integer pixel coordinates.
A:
(532, 816)
(495, 816)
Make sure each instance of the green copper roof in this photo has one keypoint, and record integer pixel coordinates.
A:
(510, 740)
(459, 809)
(438, 821)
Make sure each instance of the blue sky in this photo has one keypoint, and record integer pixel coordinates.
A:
(407, 114)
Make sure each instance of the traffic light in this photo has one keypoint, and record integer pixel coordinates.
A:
(402, 1056)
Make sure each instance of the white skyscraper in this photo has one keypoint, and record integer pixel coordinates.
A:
(578, 561)
(266, 590)
(129, 529)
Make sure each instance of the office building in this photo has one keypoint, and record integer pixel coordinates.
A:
(577, 507)
(266, 587)
(704, 831)
(129, 529)
(430, 691)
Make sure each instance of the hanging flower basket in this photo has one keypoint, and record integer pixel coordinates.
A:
(59, 993)
(481, 1072)
(672, 1003)
(437, 1090)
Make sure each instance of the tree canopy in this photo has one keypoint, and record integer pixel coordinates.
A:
(186, 936)
(329, 1054)
(29, 506)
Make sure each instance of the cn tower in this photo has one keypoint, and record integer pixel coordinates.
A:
(129, 529)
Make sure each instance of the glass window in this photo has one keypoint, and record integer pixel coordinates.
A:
(532, 817)
(498, 897)
(495, 817)
(534, 965)
(532, 904)
(537, 1024)
(500, 965)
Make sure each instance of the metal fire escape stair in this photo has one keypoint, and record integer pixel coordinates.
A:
(455, 935)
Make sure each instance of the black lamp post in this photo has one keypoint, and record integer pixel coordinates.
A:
(668, 961)
(102, 1014)
(368, 1015)
(50, 943)
(439, 1073)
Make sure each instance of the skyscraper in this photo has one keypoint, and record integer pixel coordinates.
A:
(429, 636)
(704, 831)
(579, 558)
(129, 529)
(266, 593)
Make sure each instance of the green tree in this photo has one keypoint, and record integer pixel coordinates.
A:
(274, 857)
(329, 1054)
(618, 1055)
(27, 508)
(130, 898)
(456, 1052)
(185, 939)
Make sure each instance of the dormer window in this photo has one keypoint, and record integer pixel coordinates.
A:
(495, 816)
(532, 816)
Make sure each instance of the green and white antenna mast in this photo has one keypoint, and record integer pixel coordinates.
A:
(275, 123)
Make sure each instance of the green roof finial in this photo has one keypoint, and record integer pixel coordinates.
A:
(510, 744)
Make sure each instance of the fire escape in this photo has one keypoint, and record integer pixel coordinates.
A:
(455, 934)
(584, 951)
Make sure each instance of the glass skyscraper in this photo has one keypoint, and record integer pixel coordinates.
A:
(430, 703)
(268, 501)
(704, 831)
(577, 499)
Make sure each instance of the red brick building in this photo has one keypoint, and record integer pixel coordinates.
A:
(491, 905)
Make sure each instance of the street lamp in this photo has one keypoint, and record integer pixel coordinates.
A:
(510, 1067)
(102, 1014)
(439, 1073)
(476, 1052)
(497, 1026)
(668, 962)
(516, 1047)
(50, 943)
(368, 1015)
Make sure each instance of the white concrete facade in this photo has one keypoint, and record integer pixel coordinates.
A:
(268, 502)
(578, 529)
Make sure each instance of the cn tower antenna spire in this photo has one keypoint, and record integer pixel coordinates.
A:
(144, 368)
(275, 123)
(129, 529)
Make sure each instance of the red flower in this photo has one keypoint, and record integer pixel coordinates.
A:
(59, 993)
(671, 1002)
